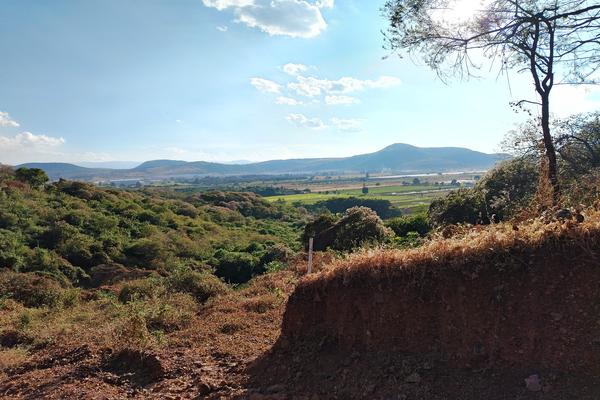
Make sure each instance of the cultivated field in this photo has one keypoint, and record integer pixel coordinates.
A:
(409, 198)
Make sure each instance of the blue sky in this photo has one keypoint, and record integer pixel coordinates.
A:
(221, 80)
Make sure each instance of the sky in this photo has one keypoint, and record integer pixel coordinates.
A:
(224, 80)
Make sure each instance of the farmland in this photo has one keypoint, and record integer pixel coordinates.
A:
(408, 198)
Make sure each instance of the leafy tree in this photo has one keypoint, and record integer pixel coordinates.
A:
(405, 224)
(33, 176)
(338, 205)
(358, 227)
(555, 41)
(235, 267)
(509, 187)
(457, 207)
(578, 143)
(498, 195)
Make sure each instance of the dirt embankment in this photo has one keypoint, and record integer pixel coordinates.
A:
(522, 297)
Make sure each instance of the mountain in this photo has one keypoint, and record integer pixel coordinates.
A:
(109, 164)
(396, 158)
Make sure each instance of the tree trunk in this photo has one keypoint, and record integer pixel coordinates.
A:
(550, 150)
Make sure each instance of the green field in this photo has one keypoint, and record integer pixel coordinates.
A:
(409, 198)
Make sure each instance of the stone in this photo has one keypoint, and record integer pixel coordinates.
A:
(532, 383)
(413, 378)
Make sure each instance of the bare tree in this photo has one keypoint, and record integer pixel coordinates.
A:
(555, 41)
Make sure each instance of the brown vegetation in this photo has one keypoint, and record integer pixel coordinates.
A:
(525, 295)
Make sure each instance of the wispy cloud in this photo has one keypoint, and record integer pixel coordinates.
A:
(294, 69)
(348, 125)
(288, 101)
(311, 86)
(295, 18)
(337, 100)
(6, 120)
(301, 121)
(265, 85)
(222, 28)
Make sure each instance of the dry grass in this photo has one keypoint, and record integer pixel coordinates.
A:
(476, 247)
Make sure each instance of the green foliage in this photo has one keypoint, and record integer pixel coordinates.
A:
(142, 289)
(458, 207)
(67, 228)
(499, 195)
(509, 187)
(33, 290)
(201, 285)
(339, 205)
(35, 177)
(236, 267)
(416, 223)
(358, 227)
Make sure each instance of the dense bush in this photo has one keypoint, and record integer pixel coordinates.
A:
(246, 203)
(499, 195)
(33, 290)
(402, 226)
(201, 285)
(458, 207)
(32, 176)
(509, 187)
(235, 266)
(359, 226)
(142, 289)
(339, 205)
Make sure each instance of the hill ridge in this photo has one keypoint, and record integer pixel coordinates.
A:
(395, 158)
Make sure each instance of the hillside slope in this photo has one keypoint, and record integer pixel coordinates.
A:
(400, 158)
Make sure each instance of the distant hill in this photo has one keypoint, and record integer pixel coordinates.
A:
(396, 158)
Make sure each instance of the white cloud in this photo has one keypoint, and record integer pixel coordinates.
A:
(302, 121)
(222, 28)
(223, 4)
(6, 120)
(324, 3)
(294, 69)
(27, 146)
(348, 125)
(288, 101)
(265, 85)
(310, 86)
(337, 100)
(294, 18)
(29, 140)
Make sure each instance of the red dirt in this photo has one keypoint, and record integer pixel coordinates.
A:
(543, 313)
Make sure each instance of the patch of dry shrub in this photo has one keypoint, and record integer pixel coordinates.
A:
(481, 246)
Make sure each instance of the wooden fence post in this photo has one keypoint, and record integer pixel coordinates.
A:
(310, 254)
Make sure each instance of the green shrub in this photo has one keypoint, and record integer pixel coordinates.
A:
(142, 289)
(509, 187)
(235, 267)
(170, 313)
(402, 226)
(32, 290)
(499, 195)
(358, 227)
(148, 253)
(339, 205)
(32, 176)
(201, 285)
(458, 207)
